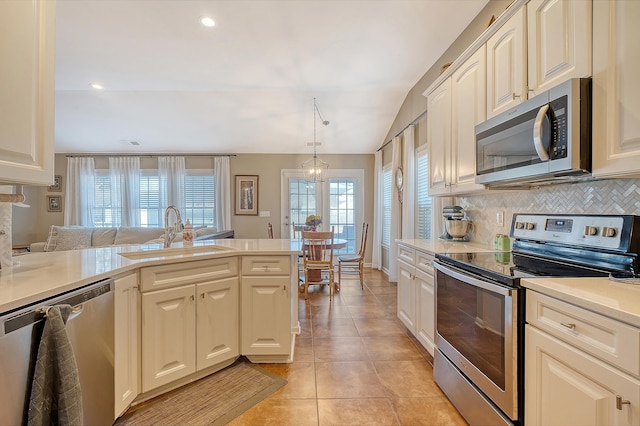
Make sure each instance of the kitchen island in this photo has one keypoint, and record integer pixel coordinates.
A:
(180, 313)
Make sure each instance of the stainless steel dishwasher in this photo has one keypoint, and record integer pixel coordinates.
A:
(90, 330)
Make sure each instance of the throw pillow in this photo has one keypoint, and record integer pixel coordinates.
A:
(137, 235)
(68, 238)
(103, 236)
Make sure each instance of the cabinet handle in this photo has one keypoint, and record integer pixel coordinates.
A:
(570, 326)
(192, 297)
(202, 295)
(514, 96)
(620, 402)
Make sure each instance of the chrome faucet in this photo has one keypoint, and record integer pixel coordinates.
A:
(170, 232)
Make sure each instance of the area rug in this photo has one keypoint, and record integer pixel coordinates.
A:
(213, 400)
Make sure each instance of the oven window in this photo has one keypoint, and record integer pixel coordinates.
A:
(472, 320)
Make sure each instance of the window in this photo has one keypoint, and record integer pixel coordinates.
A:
(302, 200)
(103, 215)
(423, 201)
(150, 214)
(199, 198)
(387, 194)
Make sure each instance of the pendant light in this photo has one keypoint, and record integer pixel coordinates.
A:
(315, 169)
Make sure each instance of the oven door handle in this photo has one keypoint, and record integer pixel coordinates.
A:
(460, 275)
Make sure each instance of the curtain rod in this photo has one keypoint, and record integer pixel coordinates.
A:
(115, 154)
(403, 129)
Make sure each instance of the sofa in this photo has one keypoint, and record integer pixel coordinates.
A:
(78, 237)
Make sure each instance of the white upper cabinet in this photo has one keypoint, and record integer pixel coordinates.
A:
(559, 42)
(616, 88)
(27, 42)
(439, 138)
(506, 66)
(468, 108)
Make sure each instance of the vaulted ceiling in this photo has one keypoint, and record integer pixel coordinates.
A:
(247, 84)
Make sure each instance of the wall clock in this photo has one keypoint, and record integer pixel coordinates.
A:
(399, 182)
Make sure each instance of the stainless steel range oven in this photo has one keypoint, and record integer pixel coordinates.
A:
(480, 304)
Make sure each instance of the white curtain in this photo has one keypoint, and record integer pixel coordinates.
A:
(376, 255)
(80, 191)
(125, 190)
(222, 182)
(396, 213)
(171, 173)
(409, 190)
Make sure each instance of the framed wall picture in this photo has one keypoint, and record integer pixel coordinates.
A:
(247, 195)
(57, 184)
(54, 203)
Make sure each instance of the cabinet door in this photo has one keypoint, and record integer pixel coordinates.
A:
(469, 103)
(616, 104)
(27, 49)
(425, 318)
(439, 138)
(568, 387)
(266, 328)
(407, 295)
(506, 79)
(559, 42)
(168, 336)
(126, 342)
(217, 322)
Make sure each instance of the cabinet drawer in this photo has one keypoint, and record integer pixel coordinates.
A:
(177, 274)
(423, 262)
(407, 254)
(601, 336)
(266, 265)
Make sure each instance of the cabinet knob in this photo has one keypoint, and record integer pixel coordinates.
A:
(620, 402)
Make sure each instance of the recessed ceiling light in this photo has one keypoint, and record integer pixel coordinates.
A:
(97, 86)
(205, 21)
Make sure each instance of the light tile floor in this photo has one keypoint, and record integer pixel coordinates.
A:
(354, 364)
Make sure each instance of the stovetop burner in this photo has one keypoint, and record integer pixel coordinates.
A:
(559, 246)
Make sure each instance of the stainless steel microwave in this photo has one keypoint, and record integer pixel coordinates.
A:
(546, 139)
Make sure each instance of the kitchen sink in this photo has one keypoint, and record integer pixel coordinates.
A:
(173, 252)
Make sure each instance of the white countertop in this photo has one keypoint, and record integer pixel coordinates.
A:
(616, 300)
(441, 246)
(38, 276)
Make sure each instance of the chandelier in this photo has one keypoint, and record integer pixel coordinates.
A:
(315, 169)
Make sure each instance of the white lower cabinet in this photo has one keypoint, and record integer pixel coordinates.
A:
(416, 295)
(266, 319)
(565, 385)
(182, 335)
(126, 326)
(168, 336)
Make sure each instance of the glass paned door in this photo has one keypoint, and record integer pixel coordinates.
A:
(339, 200)
(303, 201)
(342, 212)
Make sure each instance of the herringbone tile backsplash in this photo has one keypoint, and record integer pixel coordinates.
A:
(613, 196)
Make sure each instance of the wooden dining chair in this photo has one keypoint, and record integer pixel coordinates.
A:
(270, 230)
(353, 264)
(318, 260)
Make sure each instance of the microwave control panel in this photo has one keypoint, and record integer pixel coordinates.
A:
(593, 231)
(559, 129)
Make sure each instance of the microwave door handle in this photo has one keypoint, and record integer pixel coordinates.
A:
(537, 133)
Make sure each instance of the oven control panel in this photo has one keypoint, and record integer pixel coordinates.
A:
(582, 230)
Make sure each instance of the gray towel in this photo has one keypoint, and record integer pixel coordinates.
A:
(55, 393)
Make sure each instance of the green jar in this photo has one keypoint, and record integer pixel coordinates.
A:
(502, 243)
